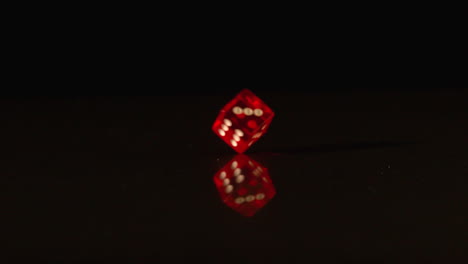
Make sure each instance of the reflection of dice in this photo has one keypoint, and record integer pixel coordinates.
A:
(244, 185)
(243, 121)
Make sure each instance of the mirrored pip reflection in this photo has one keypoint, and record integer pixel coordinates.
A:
(244, 185)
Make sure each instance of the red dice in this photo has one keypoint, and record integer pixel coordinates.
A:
(244, 185)
(243, 121)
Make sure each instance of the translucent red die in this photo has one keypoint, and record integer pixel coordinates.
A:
(243, 120)
(244, 185)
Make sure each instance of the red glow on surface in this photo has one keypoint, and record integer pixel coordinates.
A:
(248, 195)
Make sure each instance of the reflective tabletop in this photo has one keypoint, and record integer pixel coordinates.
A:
(363, 177)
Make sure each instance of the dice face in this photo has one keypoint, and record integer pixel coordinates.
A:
(243, 121)
(244, 185)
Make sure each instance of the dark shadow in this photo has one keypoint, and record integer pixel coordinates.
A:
(335, 147)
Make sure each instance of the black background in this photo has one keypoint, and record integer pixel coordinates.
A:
(368, 150)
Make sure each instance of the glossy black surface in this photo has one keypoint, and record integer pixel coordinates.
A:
(362, 177)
